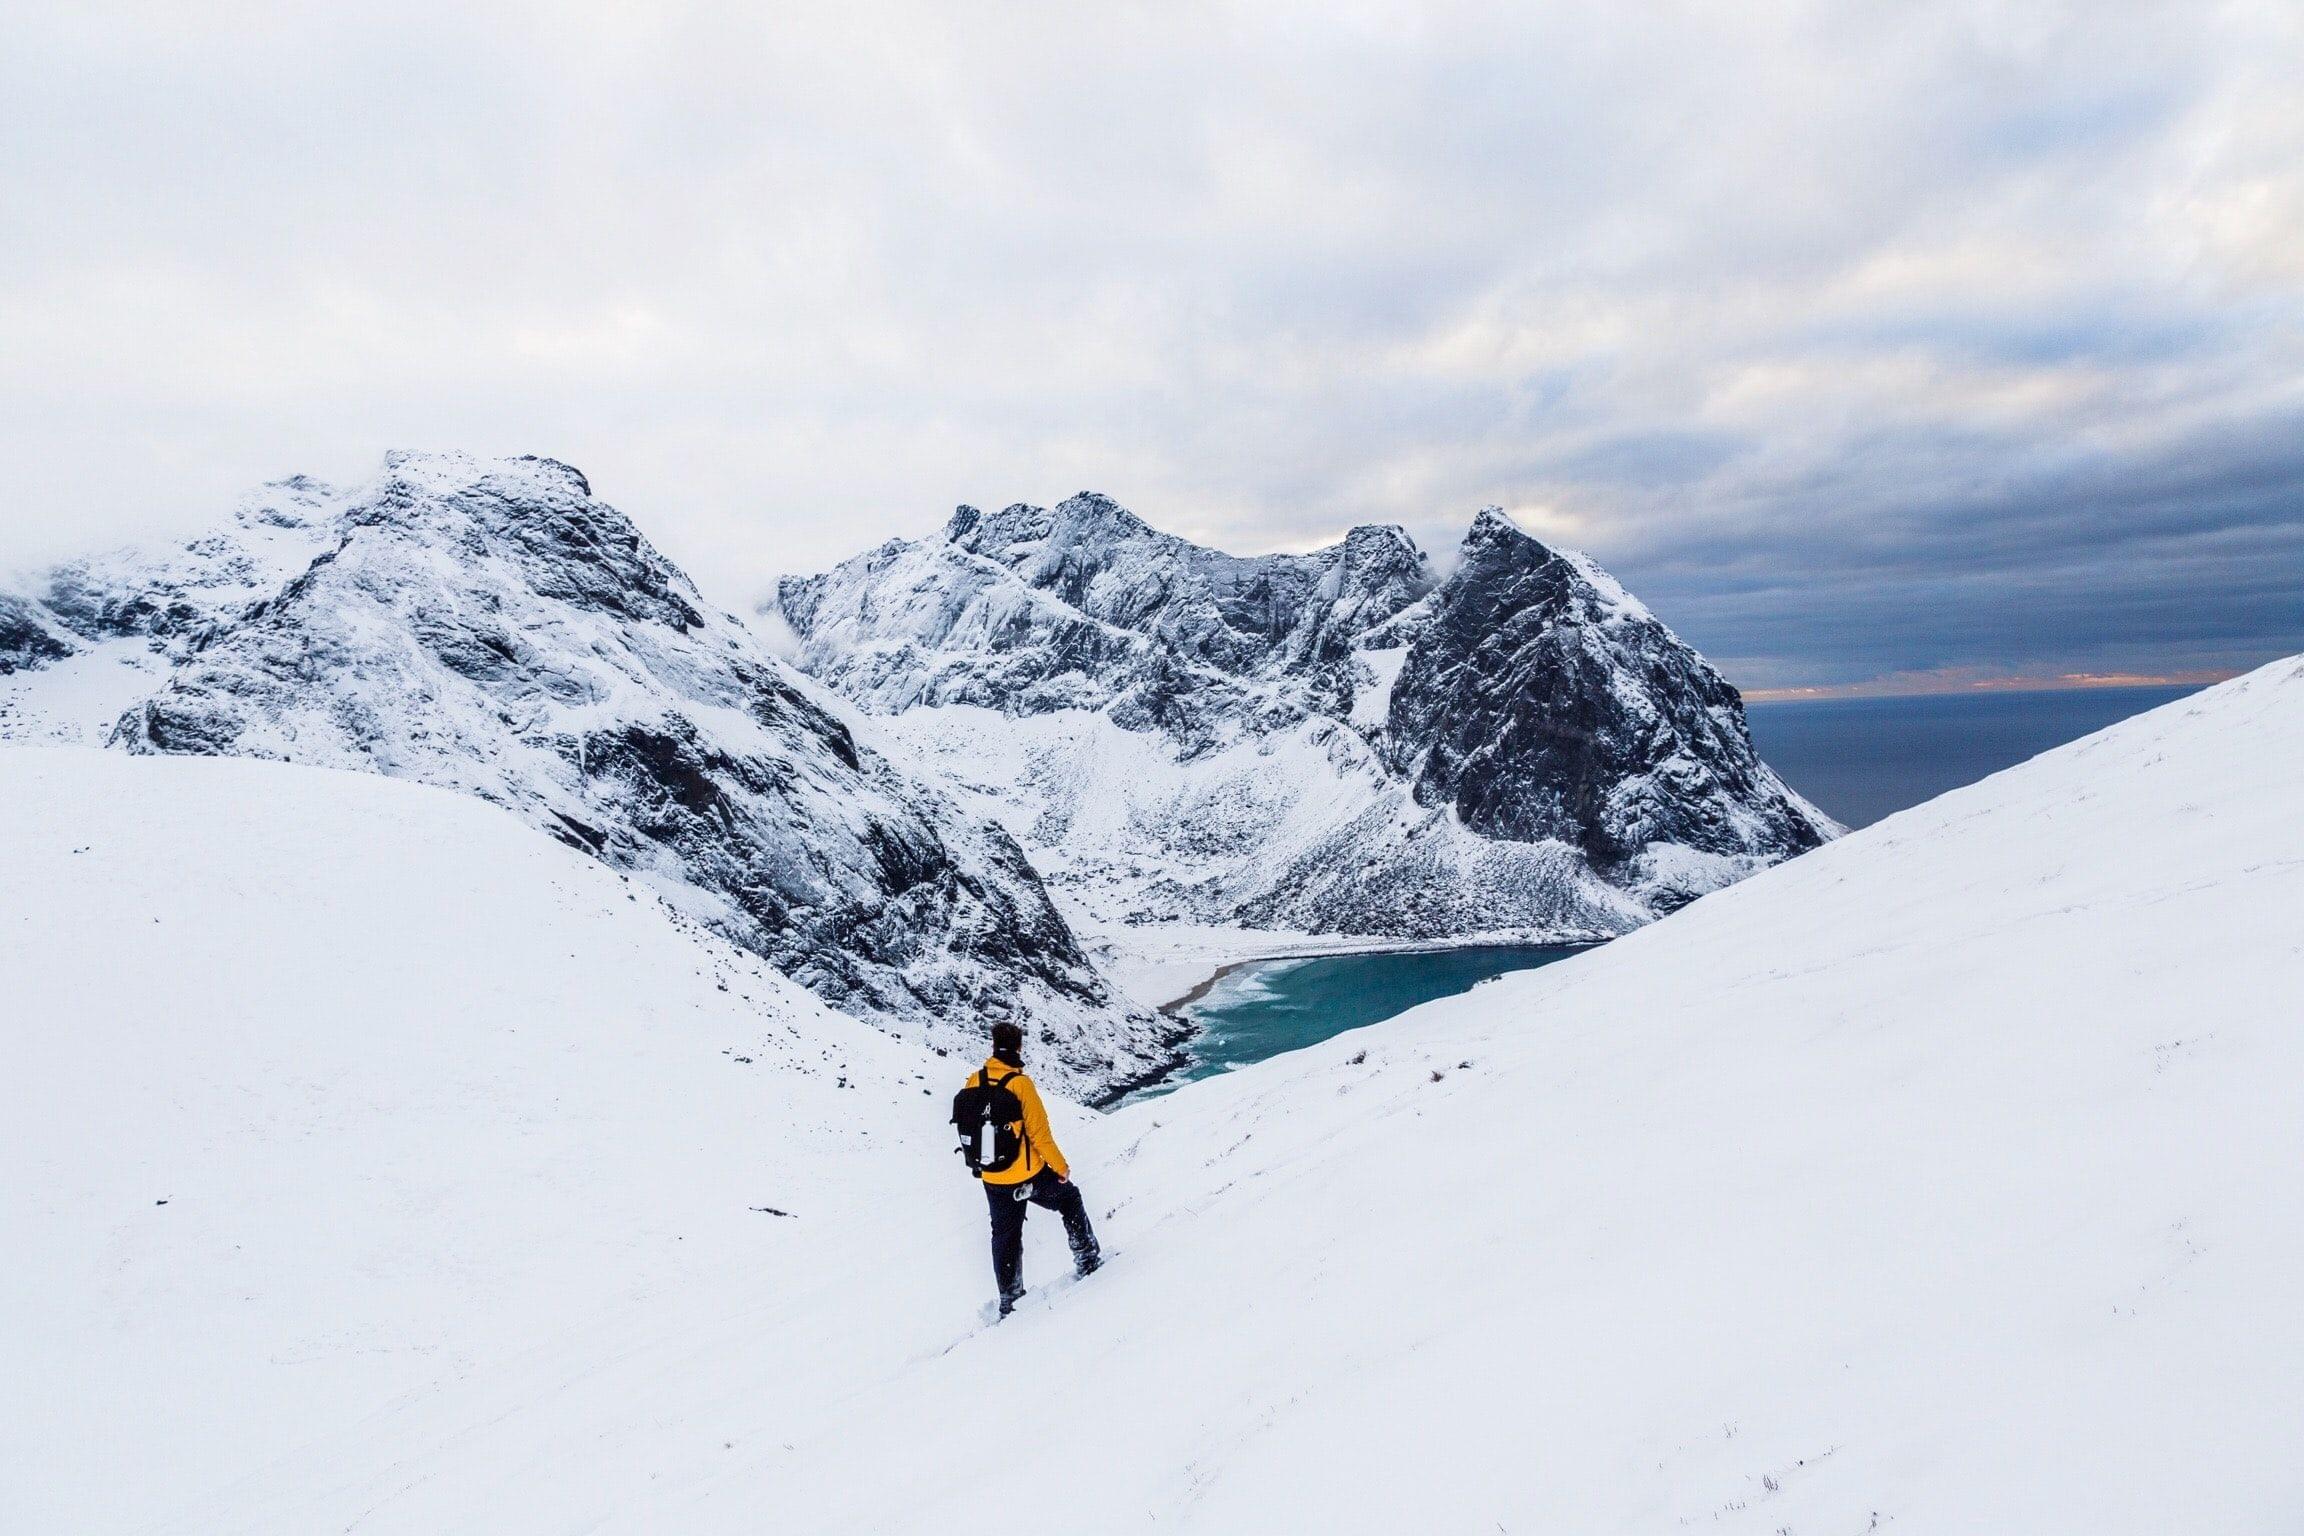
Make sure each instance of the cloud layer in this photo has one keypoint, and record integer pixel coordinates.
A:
(1861, 339)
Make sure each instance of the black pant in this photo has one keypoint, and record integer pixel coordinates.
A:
(1042, 1189)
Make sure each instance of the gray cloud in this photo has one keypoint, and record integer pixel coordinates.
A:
(1861, 339)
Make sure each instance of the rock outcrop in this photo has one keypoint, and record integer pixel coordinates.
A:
(1336, 741)
(492, 627)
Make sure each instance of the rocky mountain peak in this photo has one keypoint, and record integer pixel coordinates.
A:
(1492, 527)
(1067, 547)
(1382, 565)
(492, 627)
(1542, 702)
(995, 533)
(1436, 718)
(1370, 542)
(540, 516)
(449, 471)
(1094, 512)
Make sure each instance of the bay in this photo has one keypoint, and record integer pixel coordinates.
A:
(1261, 1008)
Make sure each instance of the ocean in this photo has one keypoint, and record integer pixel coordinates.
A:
(1862, 759)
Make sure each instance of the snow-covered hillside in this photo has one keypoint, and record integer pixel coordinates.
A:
(1338, 742)
(326, 1091)
(1949, 1178)
(490, 626)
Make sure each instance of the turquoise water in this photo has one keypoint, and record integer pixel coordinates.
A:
(1860, 759)
(1268, 1006)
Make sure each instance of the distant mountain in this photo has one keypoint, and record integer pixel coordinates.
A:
(1342, 741)
(489, 626)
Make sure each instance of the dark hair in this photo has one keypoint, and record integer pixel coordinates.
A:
(1007, 1039)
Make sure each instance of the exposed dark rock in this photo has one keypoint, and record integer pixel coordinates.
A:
(1542, 706)
(28, 637)
(491, 627)
(1339, 739)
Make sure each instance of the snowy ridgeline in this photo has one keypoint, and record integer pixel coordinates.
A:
(1196, 752)
(489, 626)
(1342, 742)
(1948, 1178)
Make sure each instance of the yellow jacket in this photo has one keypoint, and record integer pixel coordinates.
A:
(1039, 1142)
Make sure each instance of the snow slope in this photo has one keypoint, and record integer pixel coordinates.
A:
(1948, 1178)
(324, 1090)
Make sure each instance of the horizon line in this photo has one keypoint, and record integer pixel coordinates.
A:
(1929, 686)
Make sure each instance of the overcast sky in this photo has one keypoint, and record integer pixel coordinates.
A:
(1864, 341)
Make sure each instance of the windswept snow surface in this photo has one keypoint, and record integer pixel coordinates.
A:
(326, 1091)
(1948, 1178)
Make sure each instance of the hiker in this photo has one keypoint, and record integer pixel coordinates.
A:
(1005, 1137)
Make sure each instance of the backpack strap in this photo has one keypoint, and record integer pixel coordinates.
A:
(1022, 1135)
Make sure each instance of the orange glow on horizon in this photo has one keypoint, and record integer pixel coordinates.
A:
(1911, 685)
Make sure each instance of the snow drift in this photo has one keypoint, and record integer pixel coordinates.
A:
(326, 1090)
(1946, 1178)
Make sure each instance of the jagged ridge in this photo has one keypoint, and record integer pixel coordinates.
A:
(491, 627)
(1340, 740)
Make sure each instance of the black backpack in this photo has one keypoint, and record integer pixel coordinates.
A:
(990, 1119)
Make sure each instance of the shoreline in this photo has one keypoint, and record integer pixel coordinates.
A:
(1312, 949)
(1208, 983)
(1318, 951)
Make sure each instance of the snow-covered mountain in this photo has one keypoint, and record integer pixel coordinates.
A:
(1345, 741)
(1945, 1180)
(490, 626)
